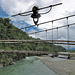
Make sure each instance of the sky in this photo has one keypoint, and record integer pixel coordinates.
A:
(11, 7)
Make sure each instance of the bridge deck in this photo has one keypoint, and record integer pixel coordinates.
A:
(27, 53)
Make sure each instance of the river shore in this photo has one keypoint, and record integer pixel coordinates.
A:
(59, 65)
(1, 66)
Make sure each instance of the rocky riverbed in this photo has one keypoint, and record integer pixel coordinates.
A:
(59, 65)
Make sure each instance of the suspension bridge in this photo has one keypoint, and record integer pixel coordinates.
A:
(67, 27)
(52, 39)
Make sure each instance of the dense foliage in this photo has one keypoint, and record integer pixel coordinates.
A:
(72, 51)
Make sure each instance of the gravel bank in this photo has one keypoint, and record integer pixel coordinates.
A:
(59, 65)
(1, 66)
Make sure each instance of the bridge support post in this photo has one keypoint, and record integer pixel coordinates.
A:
(69, 56)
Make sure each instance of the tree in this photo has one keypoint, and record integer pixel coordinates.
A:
(6, 21)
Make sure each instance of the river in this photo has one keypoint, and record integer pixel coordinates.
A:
(27, 66)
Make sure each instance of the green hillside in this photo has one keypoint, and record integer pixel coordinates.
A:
(9, 32)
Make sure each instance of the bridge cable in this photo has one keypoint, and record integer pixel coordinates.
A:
(68, 37)
(52, 31)
(46, 34)
(57, 38)
(55, 28)
(25, 29)
(49, 21)
(47, 11)
(57, 33)
(35, 35)
(68, 33)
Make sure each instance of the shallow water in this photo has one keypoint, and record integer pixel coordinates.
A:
(57, 59)
(27, 66)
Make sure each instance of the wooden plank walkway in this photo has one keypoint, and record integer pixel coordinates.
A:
(67, 54)
(27, 53)
(65, 42)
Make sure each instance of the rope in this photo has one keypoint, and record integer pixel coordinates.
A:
(46, 34)
(35, 34)
(67, 33)
(68, 37)
(52, 30)
(57, 33)
(47, 11)
(25, 15)
(41, 42)
(50, 21)
(38, 9)
(25, 29)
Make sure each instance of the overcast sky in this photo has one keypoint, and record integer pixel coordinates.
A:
(11, 7)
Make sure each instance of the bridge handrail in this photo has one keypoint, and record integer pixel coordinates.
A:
(66, 42)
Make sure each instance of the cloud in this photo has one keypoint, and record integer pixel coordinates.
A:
(15, 6)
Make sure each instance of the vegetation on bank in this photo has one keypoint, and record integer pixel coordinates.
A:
(72, 51)
(9, 32)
